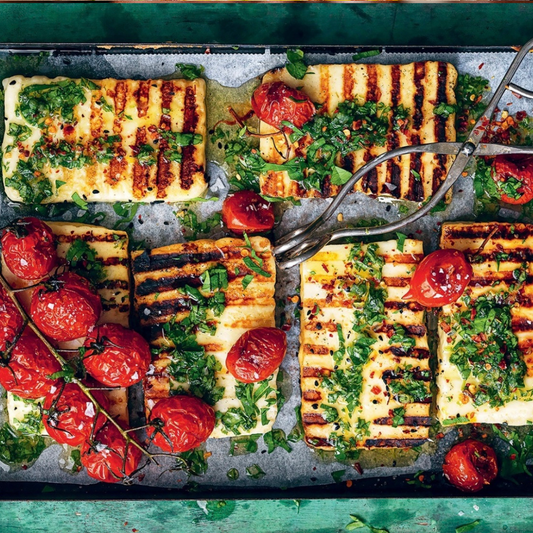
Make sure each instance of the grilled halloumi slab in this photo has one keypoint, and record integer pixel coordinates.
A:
(418, 87)
(480, 358)
(104, 140)
(111, 247)
(364, 357)
(161, 296)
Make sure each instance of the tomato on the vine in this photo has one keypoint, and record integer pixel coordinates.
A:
(257, 354)
(513, 175)
(180, 423)
(276, 102)
(246, 211)
(70, 417)
(11, 320)
(116, 356)
(470, 465)
(109, 457)
(29, 249)
(27, 368)
(440, 278)
(65, 308)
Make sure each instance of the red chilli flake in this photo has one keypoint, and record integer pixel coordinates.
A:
(481, 66)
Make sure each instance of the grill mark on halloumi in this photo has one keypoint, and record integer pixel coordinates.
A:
(158, 299)
(135, 118)
(327, 272)
(417, 86)
(514, 242)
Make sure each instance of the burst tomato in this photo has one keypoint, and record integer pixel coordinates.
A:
(257, 354)
(276, 102)
(440, 278)
(11, 320)
(28, 366)
(513, 175)
(109, 457)
(180, 423)
(470, 465)
(65, 308)
(116, 356)
(28, 248)
(246, 211)
(70, 416)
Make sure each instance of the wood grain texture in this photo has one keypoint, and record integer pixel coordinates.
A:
(421, 515)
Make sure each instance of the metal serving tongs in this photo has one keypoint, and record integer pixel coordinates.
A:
(300, 245)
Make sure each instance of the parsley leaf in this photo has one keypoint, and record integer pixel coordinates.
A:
(296, 65)
(190, 72)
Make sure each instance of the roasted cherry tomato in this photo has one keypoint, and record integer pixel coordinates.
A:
(470, 465)
(27, 368)
(257, 354)
(440, 278)
(28, 248)
(69, 416)
(180, 423)
(109, 457)
(116, 356)
(513, 175)
(11, 320)
(276, 102)
(246, 211)
(65, 308)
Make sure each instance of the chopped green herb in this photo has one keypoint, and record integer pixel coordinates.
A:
(232, 474)
(401, 237)
(82, 259)
(190, 72)
(16, 449)
(276, 439)
(19, 132)
(255, 472)
(398, 417)
(246, 280)
(189, 220)
(468, 527)
(337, 475)
(363, 55)
(244, 444)
(106, 106)
(80, 202)
(296, 65)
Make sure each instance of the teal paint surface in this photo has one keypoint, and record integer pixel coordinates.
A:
(465, 24)
(439, 515)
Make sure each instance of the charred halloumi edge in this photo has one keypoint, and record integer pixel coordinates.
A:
(111, 247)
(419, 87)
(246, 308)
(324, 306)
(453, 406)
(141, 106)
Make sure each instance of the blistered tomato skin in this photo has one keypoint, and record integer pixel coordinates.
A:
(246, 211)
(470, 465)
(29, 249)
(11, 320)
(440, 278)
(519, 167)
(27, 371)
(257, 354)
(69, 416)
(108, 457)
(67, 308)
(182, 422)
(116, 356)
(276, 102)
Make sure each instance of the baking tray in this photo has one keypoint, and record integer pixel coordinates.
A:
(231, 65)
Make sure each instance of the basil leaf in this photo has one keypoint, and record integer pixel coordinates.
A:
(368, 53)
(339, 176)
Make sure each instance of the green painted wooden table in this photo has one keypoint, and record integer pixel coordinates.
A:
(466, 24)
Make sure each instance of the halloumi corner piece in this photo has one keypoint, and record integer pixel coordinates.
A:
(418, 87)
(160, 297)
(123, 140)
(500, 255)
(111, 247)
(364, 357)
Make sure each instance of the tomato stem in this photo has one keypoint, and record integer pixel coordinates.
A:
(87, 391)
